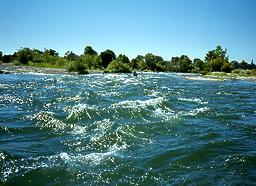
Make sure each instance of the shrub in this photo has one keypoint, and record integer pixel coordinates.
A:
(236, 71)
(17, 63)
(118, 67)
(77, 66)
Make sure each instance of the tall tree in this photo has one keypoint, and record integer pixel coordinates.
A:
(25, 55)
(174, 65)
(88, 50)
(51, 52)
(185, 63)
(71, 56)
(123, 58)
(216, 58)
(138, 63)
(152, 60)
(199, 64)
(106, 57)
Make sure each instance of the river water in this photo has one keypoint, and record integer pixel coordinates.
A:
(153, 129)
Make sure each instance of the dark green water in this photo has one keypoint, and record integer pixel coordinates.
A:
(154, 129)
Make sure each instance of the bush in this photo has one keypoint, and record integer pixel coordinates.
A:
(227, 67)
(242, 72)
(77, 66)
(17, 63)
(236, 71)
(118, 67)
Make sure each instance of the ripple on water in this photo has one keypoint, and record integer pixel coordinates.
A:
(109, 129)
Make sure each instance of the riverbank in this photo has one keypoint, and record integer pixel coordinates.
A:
(240, 75)
(7, 68)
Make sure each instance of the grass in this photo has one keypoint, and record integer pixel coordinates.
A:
(235, 74)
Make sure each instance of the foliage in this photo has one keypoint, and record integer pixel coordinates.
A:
(71, 56)
(227, 67)
(25, 55)
(242, 72)
(50, 52)
(93, 62)
(106, 57)
(216, 59)
(185, 63)
(88, 50)
(199, 65)
(152, 61)
(181, 64)
(78, 66)
(7, 58)
(174, 65)
(123, 58)
(117, 66)
(138, 63)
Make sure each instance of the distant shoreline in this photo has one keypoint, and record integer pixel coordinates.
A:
(7, 68)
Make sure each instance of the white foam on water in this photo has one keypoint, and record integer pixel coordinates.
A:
(197, 111)
(92, 158)
(138, 103)
(46, 120)
(76, 98)
(77, 129)
(199, 78)
(77, 109)
(165, 114)
(196, 100)
(11, 99)
(102, 127)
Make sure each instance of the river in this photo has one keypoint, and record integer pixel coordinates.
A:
(107, 129)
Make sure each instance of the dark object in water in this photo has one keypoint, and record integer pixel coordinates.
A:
(134, 73)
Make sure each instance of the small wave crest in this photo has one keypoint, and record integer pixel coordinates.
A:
(75, 111)
(46, 119)
(138, 103)
(195, 100)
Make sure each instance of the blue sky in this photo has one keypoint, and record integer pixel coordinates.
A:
(163, 27)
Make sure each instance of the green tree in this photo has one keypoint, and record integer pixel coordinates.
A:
(137, 63)
(234, 64)
(106, 57)
(162, 66)
(71, 56)
(37, 56)
(185, 63)
(199, 64)
(78, 66)
(174, 65)
(216, 58)
(244, 64)
(217, 53)
(123, 58)
(152, 60)
(51, 52)
(88, 50)
(227, 67)
(25, 55)
(93, 62)
(118, 67)
(7, 58)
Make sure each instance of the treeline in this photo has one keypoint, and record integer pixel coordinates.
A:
(215, 61)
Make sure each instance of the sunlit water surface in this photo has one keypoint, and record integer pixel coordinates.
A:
(154, 129)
